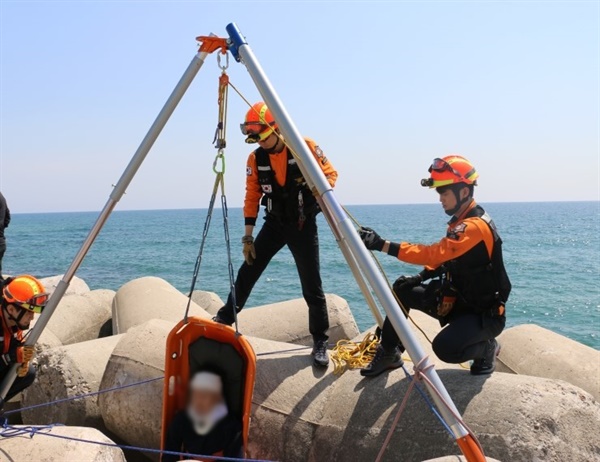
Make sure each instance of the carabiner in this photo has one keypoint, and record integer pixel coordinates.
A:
(220, 157)
(224, 66)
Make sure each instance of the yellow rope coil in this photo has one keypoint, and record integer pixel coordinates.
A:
(353, 355)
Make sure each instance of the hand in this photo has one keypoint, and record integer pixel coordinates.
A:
(407, 282)
(23, 354)
(23, 370)
(249, 250)
(371, 239)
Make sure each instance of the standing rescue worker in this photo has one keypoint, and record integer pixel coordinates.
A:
(469, 286)
(22, 297)
(274, 180)
(4, 222)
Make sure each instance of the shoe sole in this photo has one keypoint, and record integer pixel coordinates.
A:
(492, 369)
(391, 367)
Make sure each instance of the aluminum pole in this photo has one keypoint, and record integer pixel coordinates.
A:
(242, 52)
(116, 194)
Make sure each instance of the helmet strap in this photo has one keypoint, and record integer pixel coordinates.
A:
(15, 319)
(456, 189)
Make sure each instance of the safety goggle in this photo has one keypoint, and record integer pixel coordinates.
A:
(440, 165)
(256, 132)
(35, 304)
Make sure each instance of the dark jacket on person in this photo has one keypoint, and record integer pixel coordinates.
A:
(4, 216)
(225, 439)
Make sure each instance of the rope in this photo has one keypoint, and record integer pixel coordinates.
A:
(353, 355)
(10, 431)
(86, 395)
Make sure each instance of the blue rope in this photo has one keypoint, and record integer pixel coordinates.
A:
(429, 403)
(9, 432)
(73, 398)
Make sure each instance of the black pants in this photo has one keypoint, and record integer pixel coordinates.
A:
(465, 336)
(2, 250)
(20, 383)
(304, 245)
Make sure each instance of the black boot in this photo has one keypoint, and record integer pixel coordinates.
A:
(319, 353)
(384, 360)
(487, 364)
(224, 317)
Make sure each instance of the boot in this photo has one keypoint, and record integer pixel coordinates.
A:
(319, 353)
(384, 360)
(487, 364)
(221, 318)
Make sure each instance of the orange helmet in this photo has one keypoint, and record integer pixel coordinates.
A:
(25, 292)
(259, 123)
(450, 170)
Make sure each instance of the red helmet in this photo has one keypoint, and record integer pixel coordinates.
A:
(259, 123)
(25, 292)
(450, 170)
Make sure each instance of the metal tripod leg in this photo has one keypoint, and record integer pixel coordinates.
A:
(115, 196)
(242, 52)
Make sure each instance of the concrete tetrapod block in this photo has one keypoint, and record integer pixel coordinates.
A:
(532, 350)
(301, 415)
(306, 414)
(209, 301)
(149, 298)
(77, 285)
(44, 447)
(65, 372)
(288, 321)
(78, 318)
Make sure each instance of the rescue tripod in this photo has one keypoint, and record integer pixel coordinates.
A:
(358, 257)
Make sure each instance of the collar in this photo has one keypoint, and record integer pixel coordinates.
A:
(463, 215)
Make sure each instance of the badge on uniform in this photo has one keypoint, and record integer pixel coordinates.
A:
(249, 171)
(267, 188)
(319, 152)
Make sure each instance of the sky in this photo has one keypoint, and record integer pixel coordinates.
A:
(383, 87)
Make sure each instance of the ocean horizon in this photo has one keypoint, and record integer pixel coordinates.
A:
(552, 254)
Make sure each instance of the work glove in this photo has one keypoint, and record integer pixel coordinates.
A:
(371, 239)
(22, 354)
(249, 250)
(23, 370)
(407, 282)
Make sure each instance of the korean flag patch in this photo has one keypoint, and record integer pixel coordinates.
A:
(319, 152)
(249, 171)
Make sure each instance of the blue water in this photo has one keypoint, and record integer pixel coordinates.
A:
(552, 254)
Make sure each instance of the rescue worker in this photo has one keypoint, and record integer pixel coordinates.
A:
(205, 427)
(22, 297)
(274, 180)
(4, 222)
(469, 286)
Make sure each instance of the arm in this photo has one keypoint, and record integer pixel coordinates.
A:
(253, 195)
(174, 441)
(7, 217)
(435, 255)
(328, 169)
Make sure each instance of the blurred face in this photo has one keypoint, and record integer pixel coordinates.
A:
(203, 402)
(25, 320)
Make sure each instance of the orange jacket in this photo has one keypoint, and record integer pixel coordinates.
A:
(11, 339)
(279, 165)
(462, 236)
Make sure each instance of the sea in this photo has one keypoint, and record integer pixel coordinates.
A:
(551, 252)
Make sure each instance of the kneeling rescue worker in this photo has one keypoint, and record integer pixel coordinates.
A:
(469, 286)
(274, 180)
(22, 297)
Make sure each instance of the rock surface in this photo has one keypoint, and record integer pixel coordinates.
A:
(77, 286)
(305, 414)
(149, 298)
(45, 448)
(532, 350)
(65, 372)
(210, 301)
(288, 321)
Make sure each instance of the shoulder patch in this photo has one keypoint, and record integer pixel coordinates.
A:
(319, 152)
(249, 171)
(456, 230)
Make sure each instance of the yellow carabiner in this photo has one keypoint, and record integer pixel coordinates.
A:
(220, 157)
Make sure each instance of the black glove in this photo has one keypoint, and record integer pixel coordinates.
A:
(407, 282)
(371, 239)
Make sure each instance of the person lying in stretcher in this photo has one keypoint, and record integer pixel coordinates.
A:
(205, 427)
